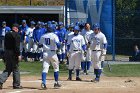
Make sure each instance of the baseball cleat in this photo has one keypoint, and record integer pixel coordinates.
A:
(82, 72)
(78, 79)
(57, 85)
(69, 78)
(95, 80)
(17, 87)
(87, 72)
(43, 86)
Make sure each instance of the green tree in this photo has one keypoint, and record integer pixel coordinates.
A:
(125, 16)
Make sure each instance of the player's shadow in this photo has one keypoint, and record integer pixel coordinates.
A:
(49, 88)
(76, 81)
(29, 88)
(85, 81)
(6, 88)
(47, 79)
(24, 87)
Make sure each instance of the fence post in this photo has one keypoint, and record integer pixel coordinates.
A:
(114, 11)
(66, 18)
(30, 2)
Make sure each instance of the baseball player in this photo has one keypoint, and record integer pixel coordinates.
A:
(37, 33)
(75, 47)
(22, 30)
(85, 64)
(54, 24)
(68, 34)
(50, 44)
(98, 45)
(3, 30)
(60, 32)
(29, 38)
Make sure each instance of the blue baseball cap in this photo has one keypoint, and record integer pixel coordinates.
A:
(77, 28)
(4, 22)
(96, 26)
(71, 25)
(60, 23)
(39, 23)
(53, 22)
(42, 23)
(50, 25)
(45, 24)
(50, 28)
(23, 21)
(49, 22)
(77, 23)
(32, 22)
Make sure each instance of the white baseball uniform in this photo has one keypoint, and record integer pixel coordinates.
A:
(86, 34)
(96, 45)
(76, 43)
(29, 33)
(67, 35)
(49, 41)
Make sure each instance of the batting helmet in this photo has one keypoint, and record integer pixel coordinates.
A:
(50, 28)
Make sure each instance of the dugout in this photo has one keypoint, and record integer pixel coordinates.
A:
(14, 14)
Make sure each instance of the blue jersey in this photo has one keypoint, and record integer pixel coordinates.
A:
(61, 34)
(4, 30)
(37, 33)
(22, 31)
(44, 29)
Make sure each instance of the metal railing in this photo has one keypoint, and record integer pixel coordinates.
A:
(30, 2)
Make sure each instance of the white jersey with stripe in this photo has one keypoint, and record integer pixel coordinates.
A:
(97, 41)
(76, 42)
(49, 41)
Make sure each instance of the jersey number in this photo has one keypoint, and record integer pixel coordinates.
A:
(47, 40)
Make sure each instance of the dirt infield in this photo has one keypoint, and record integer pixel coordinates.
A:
(31, 84)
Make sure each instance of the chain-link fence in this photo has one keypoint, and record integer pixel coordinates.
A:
(127, 26)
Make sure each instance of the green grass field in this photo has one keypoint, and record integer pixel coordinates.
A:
(124, 70)
(35, 68)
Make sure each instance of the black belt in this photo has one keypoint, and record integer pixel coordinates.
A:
(53, 50)
(76, 50)
(49, 50)
(96, 50)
